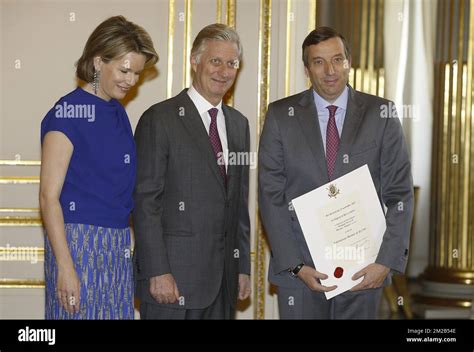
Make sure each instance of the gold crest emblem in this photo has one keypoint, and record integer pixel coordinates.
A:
(333, 190)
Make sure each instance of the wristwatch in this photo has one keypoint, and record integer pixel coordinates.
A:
(294, 272)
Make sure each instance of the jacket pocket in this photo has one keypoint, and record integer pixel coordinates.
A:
(178, 233)
(359, 149)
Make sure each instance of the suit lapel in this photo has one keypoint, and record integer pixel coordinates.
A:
(193, 123)
(308, 119)
(352, 121)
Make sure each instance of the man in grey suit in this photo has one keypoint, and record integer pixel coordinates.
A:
(309, 139)
(192, 253)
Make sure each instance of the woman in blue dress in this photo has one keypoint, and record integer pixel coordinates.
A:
(88, 172)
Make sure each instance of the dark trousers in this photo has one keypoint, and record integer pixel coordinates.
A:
(302, 303)
(219, 309)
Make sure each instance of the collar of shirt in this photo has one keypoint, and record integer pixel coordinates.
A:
(321, 103)
(202, 105)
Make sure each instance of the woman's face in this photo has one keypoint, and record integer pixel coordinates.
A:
(118, 76)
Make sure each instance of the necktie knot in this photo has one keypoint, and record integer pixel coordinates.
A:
(213, 113)
(332, 110)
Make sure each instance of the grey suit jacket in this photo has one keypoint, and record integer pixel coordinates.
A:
(292, 162)
(186, 221)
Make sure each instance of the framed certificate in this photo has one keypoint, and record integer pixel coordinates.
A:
(343, 224)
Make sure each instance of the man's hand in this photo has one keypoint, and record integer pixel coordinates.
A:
(374, 276)
(163, 289)
(311, 277)
(245, 289)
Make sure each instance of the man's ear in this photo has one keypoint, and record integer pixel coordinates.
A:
(193, 63)
(348, 63)
(306, 71)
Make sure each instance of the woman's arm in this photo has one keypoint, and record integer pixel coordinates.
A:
(56, 153)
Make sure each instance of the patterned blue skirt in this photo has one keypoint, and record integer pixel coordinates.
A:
(103, 262)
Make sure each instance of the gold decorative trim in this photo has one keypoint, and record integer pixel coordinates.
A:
(312, 15)
(363, 49)
(444, 165)
(19, 180)
(438, 99)
(468, 145)
(230, 21)
(445, 302)
(366, 30)
(453, 169)
(264, 42)
(372, 79)
(445, 275)
(219, 11)
(20, 163)
(312, 11)
(459, 182)
(169, 78)
(231, 8)
(187, 43)
(21, 283)
(20, 221)
(19, 210)
(452, 186)
(21, 254)
(381, 82)
(380, 75)
(289, 17)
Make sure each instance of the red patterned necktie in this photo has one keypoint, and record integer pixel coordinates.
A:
(332, 140)
(216, 142)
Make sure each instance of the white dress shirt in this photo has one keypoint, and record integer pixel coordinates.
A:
(323, 113)
(203, 106)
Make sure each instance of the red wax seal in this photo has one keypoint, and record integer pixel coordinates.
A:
(338, 272)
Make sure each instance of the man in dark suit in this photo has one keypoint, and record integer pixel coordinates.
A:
(192, 252)
(309, 139)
